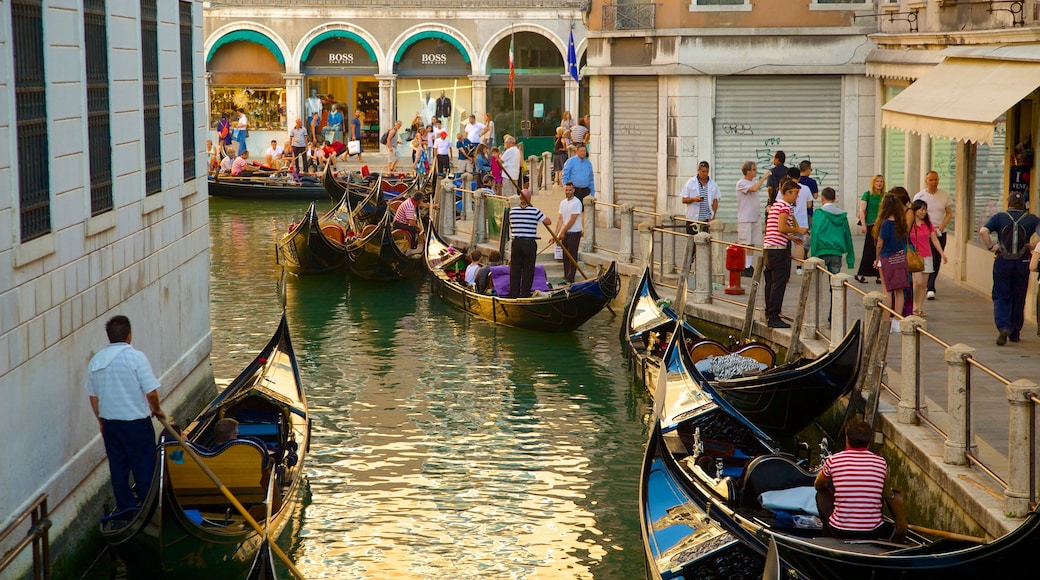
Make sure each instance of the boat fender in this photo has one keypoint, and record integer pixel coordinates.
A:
(292, 226)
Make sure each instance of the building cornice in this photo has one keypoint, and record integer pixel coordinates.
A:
(957, 37)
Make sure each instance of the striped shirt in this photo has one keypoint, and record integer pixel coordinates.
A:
(773, 235)
(405, 212)
(121, 378)
(859, 480)
(523, 221)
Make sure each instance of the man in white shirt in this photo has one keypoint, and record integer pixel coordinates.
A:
(801, 216)
(568, 230)
(701, 196)
(273, 154)
(940, 212)
(473, 130)
(510, 166)
(749, 211)
(442, 148)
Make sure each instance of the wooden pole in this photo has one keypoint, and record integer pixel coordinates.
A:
(749, 312)
(947, 535)
(231, 498)
(568, 255)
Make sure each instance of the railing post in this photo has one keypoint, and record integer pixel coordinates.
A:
(1016, 496)
(668, 259)
(717, 228)
(957, 438)
(447, 205)
(646, 244)
(627, 233)
(479, 216)
(909, 404)
(701, 268)
(839, 299)
(588, 225)
(532, 175)
(811, 271)
(547, 181)
(467, 194)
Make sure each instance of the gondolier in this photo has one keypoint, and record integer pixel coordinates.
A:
(523, 225)
(407, 217)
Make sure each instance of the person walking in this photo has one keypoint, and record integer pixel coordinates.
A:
(891, 232)
(830, 236)
(298, 140)
(523, 227)
(124, 397)
(355, 132)
(781, 231)
(749, 212)
(568, 230)
(1015, 229)
(922, 236)
(391, 147)
(940, 210)
(868, 210)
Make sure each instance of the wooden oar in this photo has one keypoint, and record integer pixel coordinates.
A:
(231, 498)
(568, 255)
(947, 535)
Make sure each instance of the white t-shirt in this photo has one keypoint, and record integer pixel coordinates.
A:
(801, 206)
(749, 208)
(693, 189)
(510, 160)
(937, 204)
(274, 152)
(442, 146)
(473, 132)
(569, 207)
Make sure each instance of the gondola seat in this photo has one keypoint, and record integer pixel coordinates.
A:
(769, 473)
(367, 230)
(500, 279)
(240, 466)
(334, 232)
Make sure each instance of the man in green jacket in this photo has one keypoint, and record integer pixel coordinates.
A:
(830, 236)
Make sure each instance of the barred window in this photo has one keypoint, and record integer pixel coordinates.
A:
(99, 131)
(34, 196)
(187, 91)
(150, 101)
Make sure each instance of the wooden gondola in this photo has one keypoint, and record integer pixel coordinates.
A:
(706, 466)
(358, 192)
(263, 564)
(310, 247)
(186, 526)
(557, 310)
(780, 399)
(381, 252)
(281, 187)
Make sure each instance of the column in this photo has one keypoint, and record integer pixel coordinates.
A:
(1016, 496)
(479, 91)
(957, 437)
(209, 114)
(570, 96)
(387, 102)
(293, 99)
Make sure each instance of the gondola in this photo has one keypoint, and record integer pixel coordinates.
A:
(263, 564)
(780, 399)
(391, 187)
(705, 468)
(381, 252)
(555, 310)
(186, 526)
(310, 247)
(280, 187)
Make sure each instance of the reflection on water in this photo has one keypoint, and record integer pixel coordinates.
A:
(443, 447)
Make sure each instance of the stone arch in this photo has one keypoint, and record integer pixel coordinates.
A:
(405, 38)
(278, 47)
(493, 41)
(356, 33)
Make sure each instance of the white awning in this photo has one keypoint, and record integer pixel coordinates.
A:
(962, 98)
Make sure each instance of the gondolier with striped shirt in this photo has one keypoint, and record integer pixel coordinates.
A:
(523, 226)
(858, 476)
(407, 217)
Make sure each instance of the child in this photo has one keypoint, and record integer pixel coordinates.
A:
(474, 266)
(496, 169)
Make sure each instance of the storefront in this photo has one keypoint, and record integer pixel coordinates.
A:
(246, 72)
(339, 67)
(433, 73)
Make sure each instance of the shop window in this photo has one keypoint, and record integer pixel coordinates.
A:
(265, 107)
(895, 147)
(34, 203)
(150, 97)
(187, 92)
(99, 132)
(944, 162)
(719, 5)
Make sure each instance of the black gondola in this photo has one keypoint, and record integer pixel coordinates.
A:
(263, 565)
(359, 191)
(384, 253)
(780, 399)
(307, 188)
(705, 468)
(310, 247)
(186, 526)
(557, 310)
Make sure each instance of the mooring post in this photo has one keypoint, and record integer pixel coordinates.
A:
(447, 207)
(1017, 495)
(467, 194)
(532, 175)
(480, 216)
(547, 181)
(958, 391)
(839, 300)
(909, 399)
(702, 268)
(627, 233)
(588, 221)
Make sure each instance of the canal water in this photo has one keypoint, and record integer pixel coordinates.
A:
(443, 446)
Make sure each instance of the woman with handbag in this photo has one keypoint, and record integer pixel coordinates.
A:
(891, 231)
(922, 234)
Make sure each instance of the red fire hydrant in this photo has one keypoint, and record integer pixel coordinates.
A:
(735, 258)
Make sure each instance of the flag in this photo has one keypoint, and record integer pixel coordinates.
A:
(572, 59)
(512, 69)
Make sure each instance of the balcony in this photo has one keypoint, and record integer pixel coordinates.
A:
(629, 16)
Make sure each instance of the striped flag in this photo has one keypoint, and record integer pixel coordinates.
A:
(572, 59)
(512, 69)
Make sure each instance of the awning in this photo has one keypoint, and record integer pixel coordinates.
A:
(247, 36)
(902, 64)
(962, 98)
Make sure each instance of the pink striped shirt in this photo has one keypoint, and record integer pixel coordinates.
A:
(773, 235)
(859, 479)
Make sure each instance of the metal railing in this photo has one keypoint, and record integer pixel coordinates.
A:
(629, 16)
(36, 536)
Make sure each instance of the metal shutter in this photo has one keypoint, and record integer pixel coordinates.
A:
(634, 154)
(757, 115)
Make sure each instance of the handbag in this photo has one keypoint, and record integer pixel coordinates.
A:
(914, 261)
(353, 147)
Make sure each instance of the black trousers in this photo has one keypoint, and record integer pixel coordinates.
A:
(777, 273)
(521, 267)
(570, 242)
(581, 193)
(298, 158)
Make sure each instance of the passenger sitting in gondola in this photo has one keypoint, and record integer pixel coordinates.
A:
(407, 217)
(240, 167)
(225, 431)
(474, 266)
(857, 476)
(483, 281)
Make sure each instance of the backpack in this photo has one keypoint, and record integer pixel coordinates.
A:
(1013, 238)
(383, 137)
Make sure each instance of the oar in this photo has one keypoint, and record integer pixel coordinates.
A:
(947, 535)
(568, 255)
(224, 490)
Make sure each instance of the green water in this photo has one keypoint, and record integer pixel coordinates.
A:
(444, 447)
